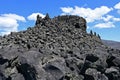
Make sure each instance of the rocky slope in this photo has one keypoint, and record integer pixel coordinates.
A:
(57, 49)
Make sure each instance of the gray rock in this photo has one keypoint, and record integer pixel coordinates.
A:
(112, 69)
(112, 73)
(96, 74)
(57, 48)
(17, 77)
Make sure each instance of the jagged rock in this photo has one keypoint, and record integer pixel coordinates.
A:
(113, 73)
(38, 20)
(92, 58)
(72, 77)
(116, 61)
(112, 69)
(95, 74)
(17, 77)
(47, 17)
(56, 67)
(57, 48)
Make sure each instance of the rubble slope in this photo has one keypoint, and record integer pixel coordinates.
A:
(57, 48)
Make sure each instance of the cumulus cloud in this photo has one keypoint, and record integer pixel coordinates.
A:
(108, 22)
(9, 23)
(90, 14)
(105, 25)
(117, 6)
(110, 18)
(67, 10)
(14, 16)
(33, 16)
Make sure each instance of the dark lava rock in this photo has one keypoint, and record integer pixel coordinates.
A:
(57, 48)
(95, 74)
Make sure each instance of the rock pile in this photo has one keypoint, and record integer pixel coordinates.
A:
(57, 49)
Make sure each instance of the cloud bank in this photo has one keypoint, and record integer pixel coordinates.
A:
(99, 15)
(105, 25)
(9, 23)
(90, 14)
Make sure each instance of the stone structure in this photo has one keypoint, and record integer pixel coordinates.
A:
(77, 22)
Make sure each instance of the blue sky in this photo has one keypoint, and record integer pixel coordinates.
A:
(103, 16)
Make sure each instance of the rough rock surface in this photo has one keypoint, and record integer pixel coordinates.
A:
(57, 49)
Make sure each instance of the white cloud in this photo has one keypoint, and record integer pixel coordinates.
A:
(33, 16)
(116, 19)
(90, 14)
(67, 9)
(117, 6)
(14, 16)
(109, 22)
(105, 25)
(110, 17)
(9, 23)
